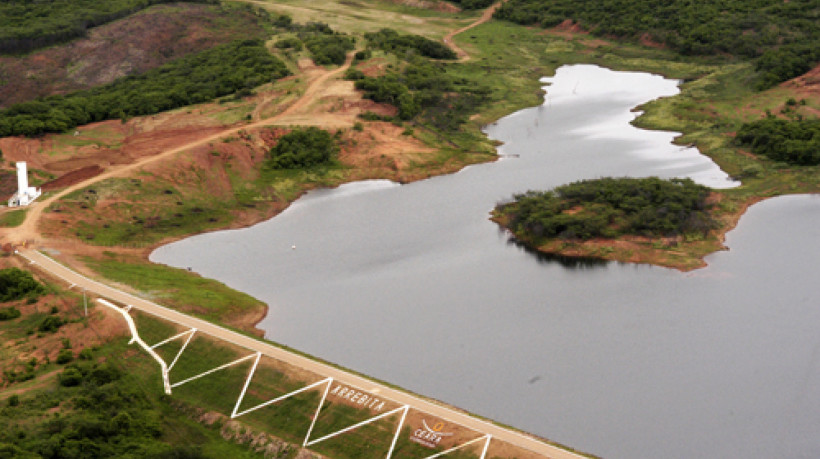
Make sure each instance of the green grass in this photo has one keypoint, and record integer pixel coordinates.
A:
(13, 218)
(178, 288)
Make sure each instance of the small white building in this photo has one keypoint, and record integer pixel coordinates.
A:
(25, 194)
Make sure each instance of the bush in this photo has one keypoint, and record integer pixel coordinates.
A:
(9, 313)
(300, 148)
(65, 356)
(50, 324)
(326, 46)
(14, 400)
(70, 377)
(291, 42)
(16, 284)
(391, 41)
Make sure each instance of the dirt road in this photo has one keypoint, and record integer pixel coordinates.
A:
(463, 56)
(500, 433)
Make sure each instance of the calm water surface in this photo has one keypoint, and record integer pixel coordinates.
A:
(412, 284)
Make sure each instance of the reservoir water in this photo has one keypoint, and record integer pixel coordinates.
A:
(414, 285)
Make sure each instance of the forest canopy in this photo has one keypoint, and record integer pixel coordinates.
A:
(785, 33)
(197, 78)
(26, 25)
(794, 142)
(609, 208)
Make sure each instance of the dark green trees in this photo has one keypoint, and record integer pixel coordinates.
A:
(793, 142)
(301, 148)
(610, 207)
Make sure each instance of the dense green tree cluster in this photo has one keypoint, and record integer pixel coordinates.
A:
(16, 284)
(391, 41)
(423, 88)
(610, 207)
(27, 24)
(200, 77)
(101, 416)
(473, 4)
(301, 148)
(787, 30)
(793, 142)
(786, 62)
(325, 45)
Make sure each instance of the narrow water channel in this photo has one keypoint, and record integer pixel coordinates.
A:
(413, 285)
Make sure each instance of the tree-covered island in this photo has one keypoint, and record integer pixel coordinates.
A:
(647, 220)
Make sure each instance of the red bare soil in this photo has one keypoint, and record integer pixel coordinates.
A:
(131, 45)
(75, 176)
(569, 27)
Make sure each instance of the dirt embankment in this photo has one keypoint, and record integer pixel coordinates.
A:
(131, 45)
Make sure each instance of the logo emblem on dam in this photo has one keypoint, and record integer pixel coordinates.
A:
(429, 436)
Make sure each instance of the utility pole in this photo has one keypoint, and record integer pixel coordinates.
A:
(85, 304)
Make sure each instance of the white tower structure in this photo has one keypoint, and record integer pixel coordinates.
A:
(25, 194)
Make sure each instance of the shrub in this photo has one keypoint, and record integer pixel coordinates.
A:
(16, 284)
(50, 324)
(65, 356)
(391, 41)
(300, 148)
(793, 142)
(70, 377)
(9, 313)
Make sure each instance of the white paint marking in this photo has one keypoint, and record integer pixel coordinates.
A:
(166, 341)
(247, 383)
(398, 430)
(318, 408)
(354, 426)
(278, 399)
(474, 440)
(184, 345)
(135, 337)
(221, 367)
(486, 447)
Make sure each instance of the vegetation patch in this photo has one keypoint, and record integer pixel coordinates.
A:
(182, 290)
(389, 40)
(16, 284)
(27, 25)
(609, 208)
(13, 218)
(325, 45)
(793, 142)
(303, 148)
(193, 79)
(785, 33)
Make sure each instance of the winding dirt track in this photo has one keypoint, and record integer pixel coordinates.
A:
(27, 232)
(463, 56)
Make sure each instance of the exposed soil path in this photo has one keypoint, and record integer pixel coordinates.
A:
(463, 56)
(28, 231)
